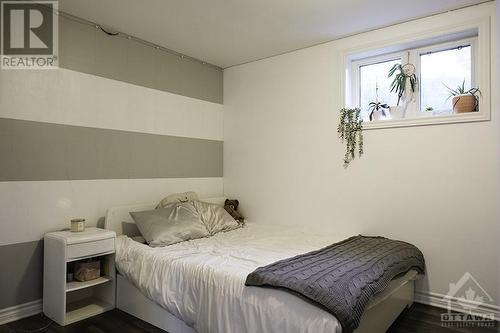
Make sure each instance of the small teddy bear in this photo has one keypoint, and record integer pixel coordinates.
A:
(231, 206)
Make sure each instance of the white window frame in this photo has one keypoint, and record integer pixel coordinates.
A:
(440, 29)
(356, 72)
(416, 59)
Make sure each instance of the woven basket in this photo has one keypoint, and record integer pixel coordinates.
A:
(86, 271)
(464, 103)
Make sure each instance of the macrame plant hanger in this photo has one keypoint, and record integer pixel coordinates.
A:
(409, 71)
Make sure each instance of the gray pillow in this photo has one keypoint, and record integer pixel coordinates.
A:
(139, 239)
(215, 217)
(130, 229)
(172, 224)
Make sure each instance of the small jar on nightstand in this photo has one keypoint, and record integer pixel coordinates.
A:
(66, 301)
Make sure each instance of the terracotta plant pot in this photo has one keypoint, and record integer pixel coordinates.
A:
(464, 103)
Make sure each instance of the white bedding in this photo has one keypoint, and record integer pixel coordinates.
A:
(202, 281)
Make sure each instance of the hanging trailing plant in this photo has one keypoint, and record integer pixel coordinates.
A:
(402, 73)
(350, 131)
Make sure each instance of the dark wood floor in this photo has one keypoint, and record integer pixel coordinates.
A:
(427, 319)
(418, 319)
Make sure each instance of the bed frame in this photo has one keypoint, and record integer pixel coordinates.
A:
(378, 317)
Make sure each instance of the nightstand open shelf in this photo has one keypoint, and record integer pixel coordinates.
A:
(76, 285)
(68, 302)
(85, 308)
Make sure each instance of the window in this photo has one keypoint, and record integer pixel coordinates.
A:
(448, 58)
(440, 69)
(374, 85)
(438, 66)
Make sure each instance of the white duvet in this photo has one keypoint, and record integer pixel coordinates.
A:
(202, 282)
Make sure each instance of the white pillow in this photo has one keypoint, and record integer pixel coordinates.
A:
(215, 217)
(177, 197)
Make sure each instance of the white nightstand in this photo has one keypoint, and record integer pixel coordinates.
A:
(67, 302)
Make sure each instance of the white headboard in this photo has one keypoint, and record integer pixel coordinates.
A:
(119, 220)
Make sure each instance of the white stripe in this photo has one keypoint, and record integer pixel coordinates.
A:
(63, 96)
(31, 209)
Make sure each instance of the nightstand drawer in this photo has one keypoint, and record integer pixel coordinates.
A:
(90, 248)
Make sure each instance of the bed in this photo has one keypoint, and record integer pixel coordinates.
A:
(198, 285)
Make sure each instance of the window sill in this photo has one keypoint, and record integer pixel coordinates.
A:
(430, 120)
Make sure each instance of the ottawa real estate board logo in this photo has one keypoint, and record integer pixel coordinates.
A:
(469, 305)
(29, 34)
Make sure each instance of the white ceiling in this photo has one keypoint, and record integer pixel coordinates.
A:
(230, 32)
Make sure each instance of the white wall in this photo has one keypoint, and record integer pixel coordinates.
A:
(435, 186)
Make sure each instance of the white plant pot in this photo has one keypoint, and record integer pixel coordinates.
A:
(396, 112)
(378, 115)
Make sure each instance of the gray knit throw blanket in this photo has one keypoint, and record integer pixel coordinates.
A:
(343, 277)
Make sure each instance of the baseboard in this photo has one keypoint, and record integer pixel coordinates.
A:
(20, 311)
(443, 301)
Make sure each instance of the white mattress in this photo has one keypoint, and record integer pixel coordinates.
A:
(202, 281)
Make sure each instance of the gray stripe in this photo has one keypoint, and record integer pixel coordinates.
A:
(22, 268)
(43, 151)
(86, 49)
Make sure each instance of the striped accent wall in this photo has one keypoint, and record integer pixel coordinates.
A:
(118, 123)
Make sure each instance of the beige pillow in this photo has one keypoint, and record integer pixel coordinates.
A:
(177, 197)
(172, 224)
(215, 217)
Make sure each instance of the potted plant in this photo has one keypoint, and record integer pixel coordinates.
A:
(402, 74)
(350, 130)
(464, 100)
(380, 109)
